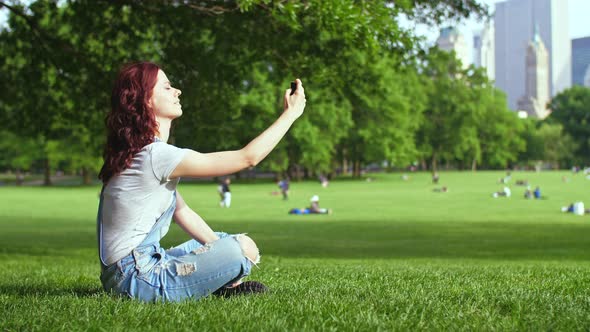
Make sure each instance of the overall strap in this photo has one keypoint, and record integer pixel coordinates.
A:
(161, 226)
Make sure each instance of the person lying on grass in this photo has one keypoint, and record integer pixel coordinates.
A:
(139, 196)
(576, 208)
(314, 208)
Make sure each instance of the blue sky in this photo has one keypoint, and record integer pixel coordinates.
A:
(579, 11)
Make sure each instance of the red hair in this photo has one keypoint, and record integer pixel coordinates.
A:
(131, 123)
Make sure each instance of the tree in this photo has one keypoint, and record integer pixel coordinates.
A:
(18, 153)
(449, 129)
(558, 147)
(571, 109)
(501, 133)
(232, 59)
(386, 111)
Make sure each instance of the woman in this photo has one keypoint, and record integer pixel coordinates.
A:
(139, 196)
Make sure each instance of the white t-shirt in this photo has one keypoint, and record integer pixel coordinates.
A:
(579, 208)
(134, 199)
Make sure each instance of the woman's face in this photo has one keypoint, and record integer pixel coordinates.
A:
(164, 101)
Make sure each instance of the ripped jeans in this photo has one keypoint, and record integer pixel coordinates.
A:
(190, 270)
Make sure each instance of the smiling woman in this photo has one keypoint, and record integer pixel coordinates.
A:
(139, 197)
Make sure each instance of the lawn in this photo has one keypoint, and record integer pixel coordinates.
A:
(394, 255)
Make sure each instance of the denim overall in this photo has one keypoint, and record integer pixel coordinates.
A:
(192, 270)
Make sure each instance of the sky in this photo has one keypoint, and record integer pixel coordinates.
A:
(579, 10)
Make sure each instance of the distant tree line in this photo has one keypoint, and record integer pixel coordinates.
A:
(374, 93)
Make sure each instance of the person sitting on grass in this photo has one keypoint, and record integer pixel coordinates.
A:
(528, 194)
(504, 193)
(576, 208)
(537, 193)
(441, 190)
(314, 208)
(140, 197)
(435, 178)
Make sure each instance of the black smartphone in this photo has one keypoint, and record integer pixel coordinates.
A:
(293, 87)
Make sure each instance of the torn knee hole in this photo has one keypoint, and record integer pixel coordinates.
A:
(249, 248)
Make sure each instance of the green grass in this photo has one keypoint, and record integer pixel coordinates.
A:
(393, 256)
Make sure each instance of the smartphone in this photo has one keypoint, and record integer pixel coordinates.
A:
(293, 87)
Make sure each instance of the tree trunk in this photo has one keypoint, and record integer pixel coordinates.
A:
(474, 165)
(306, 173)
(356, 169)
(433, 164)
(19, 177)
(296, 172)
(344, 162)
(86, 179)
(46, 166)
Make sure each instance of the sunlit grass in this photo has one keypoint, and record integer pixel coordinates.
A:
(393, 255)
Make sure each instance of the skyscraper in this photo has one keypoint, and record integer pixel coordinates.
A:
(451, 39)
(483, 50)
(580, 59)
(536, 96)
(515, 22)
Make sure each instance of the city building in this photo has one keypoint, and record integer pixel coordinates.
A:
(514, 24)
(483, 50)
(451, 39)
(587, 77)
(536, 96)
(580, 60)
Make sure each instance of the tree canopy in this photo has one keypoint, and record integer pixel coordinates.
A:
(374, 95)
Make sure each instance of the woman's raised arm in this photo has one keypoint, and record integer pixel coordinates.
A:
(195, 164)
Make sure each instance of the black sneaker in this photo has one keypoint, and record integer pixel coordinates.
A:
(245, 288)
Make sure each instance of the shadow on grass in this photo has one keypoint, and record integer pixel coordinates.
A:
(386, 239)
(49, 290)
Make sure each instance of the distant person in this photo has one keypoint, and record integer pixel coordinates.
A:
(324, 181)
(315, 205)
(528, 194)
(313, 209)
(20, 178)
(284, 186)
(139, 197)
(506, 179)
(220, 193)
(440, 190)
(225, 193)
(576, 208)
(435, 178)
(504, 193)
(537, 193)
